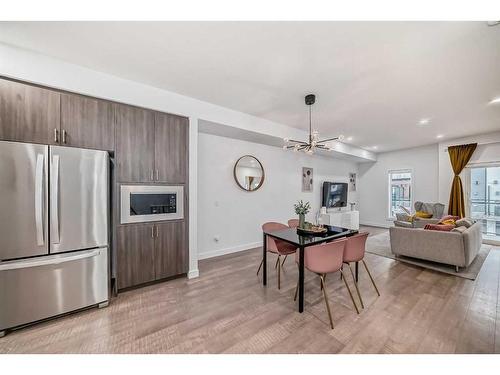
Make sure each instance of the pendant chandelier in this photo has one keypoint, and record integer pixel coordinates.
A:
(314, 141)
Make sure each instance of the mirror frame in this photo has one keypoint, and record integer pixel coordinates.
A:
(261, 180)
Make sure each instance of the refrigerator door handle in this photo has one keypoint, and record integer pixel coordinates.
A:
(48, 262)
(39, 172)
(54, 212)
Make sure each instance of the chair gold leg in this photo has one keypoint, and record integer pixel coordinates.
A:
(356, 286)
(371, 278)
(323, 287)
(279, 271)
(349, 290)
(284, 260)
(260, 266)
(324, 277)
(277, 261)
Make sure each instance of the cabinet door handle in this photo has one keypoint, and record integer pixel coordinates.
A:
(157, 231)
(151, 175)
(157, 175)
(152, 231)
(56, 135)
(64, 136)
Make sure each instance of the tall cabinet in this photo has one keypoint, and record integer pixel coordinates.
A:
(151, 148)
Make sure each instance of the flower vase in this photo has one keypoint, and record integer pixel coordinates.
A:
(302, 221)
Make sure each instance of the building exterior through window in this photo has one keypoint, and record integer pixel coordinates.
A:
(400, 192)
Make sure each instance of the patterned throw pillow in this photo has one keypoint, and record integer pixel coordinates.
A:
(439, 227)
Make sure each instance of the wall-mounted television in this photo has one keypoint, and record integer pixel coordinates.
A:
(334, 194)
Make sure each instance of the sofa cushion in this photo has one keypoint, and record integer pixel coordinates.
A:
(440, 227)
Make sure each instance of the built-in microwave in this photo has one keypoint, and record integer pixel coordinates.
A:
(142, 203)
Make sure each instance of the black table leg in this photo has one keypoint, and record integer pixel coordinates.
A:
(357, 271)
(264, 260)
(301, 279)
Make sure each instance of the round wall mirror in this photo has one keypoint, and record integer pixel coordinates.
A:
(248, 173)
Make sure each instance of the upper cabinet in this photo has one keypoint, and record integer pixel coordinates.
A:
(134, 144)
(151, 146)
(171, 148)
(28, 113)
(86, 122)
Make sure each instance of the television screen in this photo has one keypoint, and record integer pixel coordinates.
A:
(334, 194)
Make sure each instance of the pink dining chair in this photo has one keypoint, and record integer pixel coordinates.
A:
(323, 259)
(292, 223)
(277, 247)
(355, 252)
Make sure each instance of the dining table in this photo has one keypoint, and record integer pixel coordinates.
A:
(302, 241)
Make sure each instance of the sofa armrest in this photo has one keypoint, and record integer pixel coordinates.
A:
(473, 239)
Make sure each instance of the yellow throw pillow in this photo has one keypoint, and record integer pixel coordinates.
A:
(448, 222)
(423, 215)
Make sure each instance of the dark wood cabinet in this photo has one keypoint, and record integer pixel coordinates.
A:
(135, 254)
(28, 113)
(171, 249)
(86, 122)
(171, 148)
(134, 144)
(148, 252)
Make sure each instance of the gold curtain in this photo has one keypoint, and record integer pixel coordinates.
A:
(459, 157)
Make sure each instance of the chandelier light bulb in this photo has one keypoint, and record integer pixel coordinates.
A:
(341, 137)
(286, 140)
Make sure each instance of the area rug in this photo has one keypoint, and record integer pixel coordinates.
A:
(380, 245)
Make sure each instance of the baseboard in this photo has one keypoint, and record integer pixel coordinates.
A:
(193, 274)
(378, 225)
(228, 250)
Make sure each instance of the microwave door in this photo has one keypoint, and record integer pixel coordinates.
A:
(79, 190)
(23, 200)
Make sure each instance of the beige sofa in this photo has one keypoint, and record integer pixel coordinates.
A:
(453, 248)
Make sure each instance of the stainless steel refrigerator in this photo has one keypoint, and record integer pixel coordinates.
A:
(54, 205)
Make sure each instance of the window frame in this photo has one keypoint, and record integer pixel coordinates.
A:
(390, 172)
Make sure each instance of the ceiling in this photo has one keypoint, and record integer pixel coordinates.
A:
(374, 81)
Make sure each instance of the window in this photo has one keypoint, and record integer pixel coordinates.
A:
(400, 194)
(484, 198)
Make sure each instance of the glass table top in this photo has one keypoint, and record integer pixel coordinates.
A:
(291, 236)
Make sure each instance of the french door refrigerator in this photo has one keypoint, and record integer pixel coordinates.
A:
(53, 231)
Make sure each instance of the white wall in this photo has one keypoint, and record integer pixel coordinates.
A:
(373, 182)
(236, 216)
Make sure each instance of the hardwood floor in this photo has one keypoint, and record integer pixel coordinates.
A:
(227, 310)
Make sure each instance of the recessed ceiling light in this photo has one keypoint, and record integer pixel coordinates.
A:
(374, 147)
(349, 139)
(495, 101)
(439, 136)
(424, 121)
